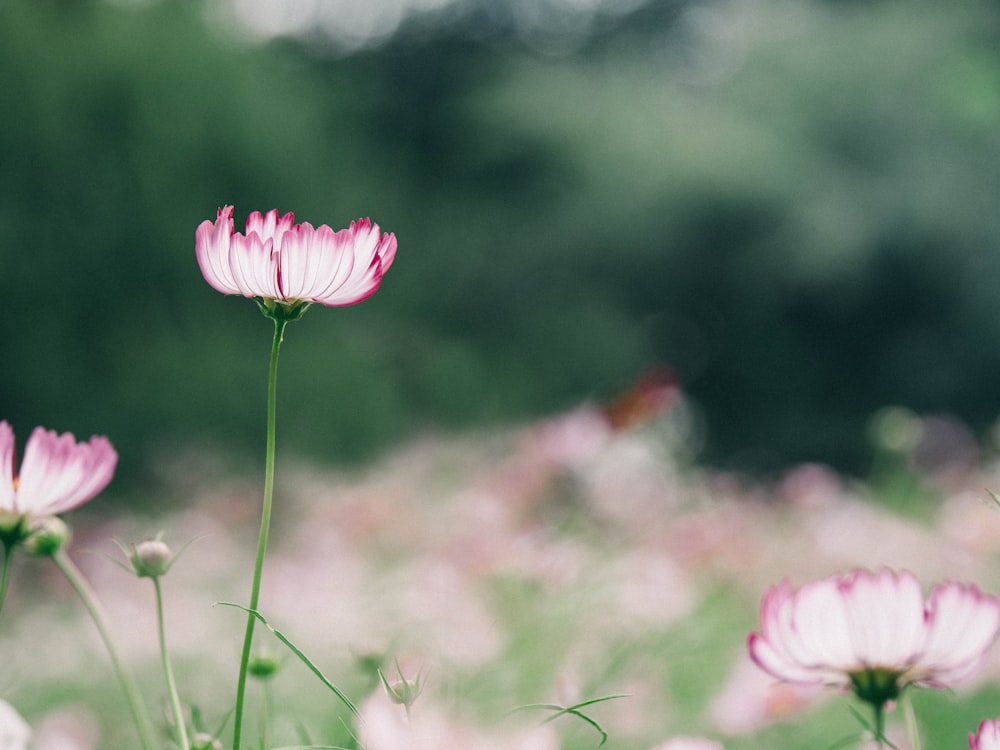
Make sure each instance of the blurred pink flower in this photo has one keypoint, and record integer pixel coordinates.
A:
(987, 737)
(874, 633)
(751, 699)
(293, 263)
(57, 473)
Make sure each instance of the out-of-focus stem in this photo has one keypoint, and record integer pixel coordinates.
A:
(265, 523)
(175, 701)
(90, 602)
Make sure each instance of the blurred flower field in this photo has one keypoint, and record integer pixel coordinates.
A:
(569, 560)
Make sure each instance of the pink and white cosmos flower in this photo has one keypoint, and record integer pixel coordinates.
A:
(293, 264)
(874, 633)
(987, 737)
(57, 473)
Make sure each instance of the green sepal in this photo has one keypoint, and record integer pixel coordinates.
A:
(14, 528)
(876, 685)
(285, 312)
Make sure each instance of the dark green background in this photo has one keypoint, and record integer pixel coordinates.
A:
(792, 205)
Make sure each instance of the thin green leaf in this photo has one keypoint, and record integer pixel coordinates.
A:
(573, 710)
(295, 650)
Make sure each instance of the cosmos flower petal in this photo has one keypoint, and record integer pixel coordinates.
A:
(269, 225)
(821, 626)
(964, 623)
(213, 247)
(253, 268)
(885, 635)
(7, 456)
(372, 254)
(313, 260)
(778, 663)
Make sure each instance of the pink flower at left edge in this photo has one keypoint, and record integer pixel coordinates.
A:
(57, 474)
(987, 737)
(293, 264)
(874, 633)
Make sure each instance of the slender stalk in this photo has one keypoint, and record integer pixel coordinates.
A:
(8, 549)
(265, 716)
(175, 702)
(265, 523)
(880, 724)
(89, 599)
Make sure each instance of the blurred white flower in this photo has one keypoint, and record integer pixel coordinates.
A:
(689, 743)
(385, 726)
(14, 731)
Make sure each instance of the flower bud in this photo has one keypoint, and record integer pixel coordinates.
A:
(46, 536)
(263, 666)
(402, 692)
(151, 558)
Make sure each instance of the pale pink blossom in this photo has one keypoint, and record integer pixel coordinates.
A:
(386, 726)
(751, 699)
(987, 737)
(57, 473)
(290, 263)
(874, 632)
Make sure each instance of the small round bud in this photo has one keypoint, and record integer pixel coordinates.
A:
(263, 666)
(46, 536)
(151, 558)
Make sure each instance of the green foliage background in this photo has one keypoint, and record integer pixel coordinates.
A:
(791, 204)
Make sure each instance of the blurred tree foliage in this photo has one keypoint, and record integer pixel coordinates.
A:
(792, 204)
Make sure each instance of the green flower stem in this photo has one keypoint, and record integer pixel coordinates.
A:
(89, 599)
(8, 549)
(175, 702)
(265, 523)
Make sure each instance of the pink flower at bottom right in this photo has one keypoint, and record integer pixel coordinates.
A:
(987, 737)
(874, 633)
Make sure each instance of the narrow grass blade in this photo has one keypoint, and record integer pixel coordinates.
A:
(295, 650)
(573, 710)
